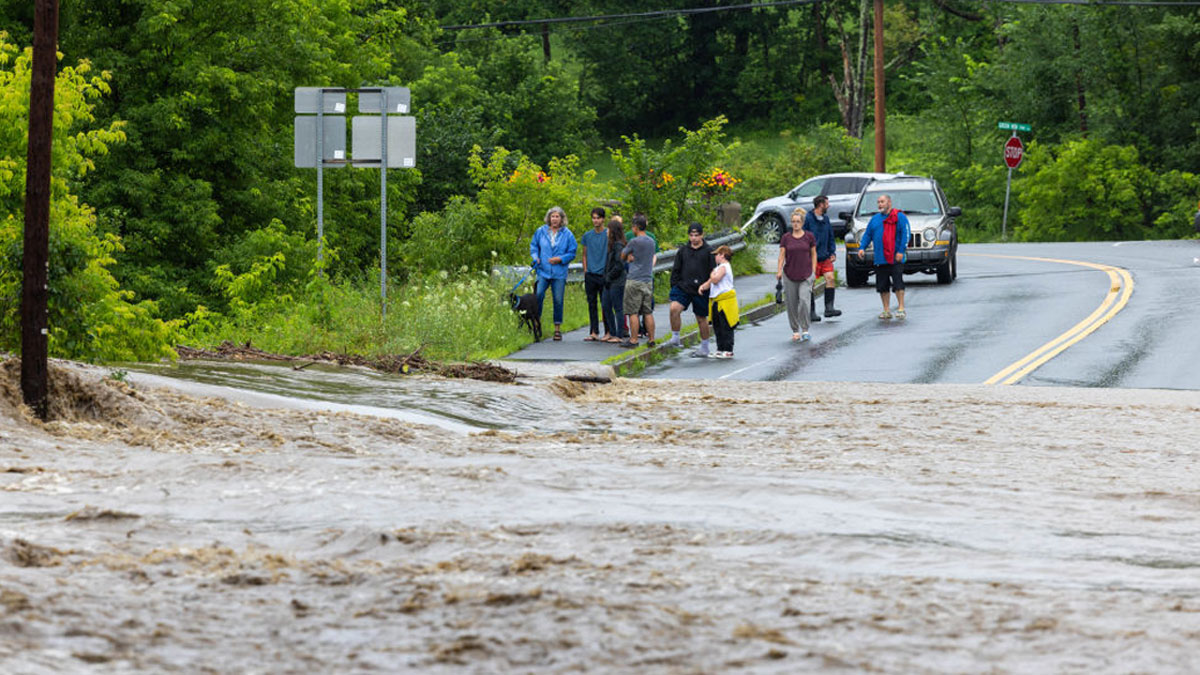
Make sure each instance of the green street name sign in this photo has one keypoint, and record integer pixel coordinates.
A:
(1014, 126)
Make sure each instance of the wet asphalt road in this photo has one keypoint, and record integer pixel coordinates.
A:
(998, 311)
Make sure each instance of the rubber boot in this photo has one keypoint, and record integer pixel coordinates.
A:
(813, 317)
(829, 310)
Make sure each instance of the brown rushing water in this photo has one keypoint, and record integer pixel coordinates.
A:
(689, 527)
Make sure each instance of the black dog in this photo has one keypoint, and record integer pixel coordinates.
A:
(526, 307)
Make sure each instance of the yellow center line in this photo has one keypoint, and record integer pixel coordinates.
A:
(1119, 290)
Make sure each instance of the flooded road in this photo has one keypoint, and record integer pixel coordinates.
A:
(659, 526)
(460, 405)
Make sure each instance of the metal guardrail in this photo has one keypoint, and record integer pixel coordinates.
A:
(666, 259)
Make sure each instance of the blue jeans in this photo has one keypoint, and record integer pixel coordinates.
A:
(557, 288)
(614, 311)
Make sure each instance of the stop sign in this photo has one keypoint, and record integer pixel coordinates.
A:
(1014, 152)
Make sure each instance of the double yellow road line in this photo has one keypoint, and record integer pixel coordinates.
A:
(1119, 290)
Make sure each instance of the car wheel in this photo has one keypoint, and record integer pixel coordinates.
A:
(954, 263)
(855, 278)
(770, 225)
(945, 271)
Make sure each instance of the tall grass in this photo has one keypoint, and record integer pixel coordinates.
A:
(448, 318)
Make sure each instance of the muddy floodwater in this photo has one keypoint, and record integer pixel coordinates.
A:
(548, 526)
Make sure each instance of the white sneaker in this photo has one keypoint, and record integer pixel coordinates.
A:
(675, 342)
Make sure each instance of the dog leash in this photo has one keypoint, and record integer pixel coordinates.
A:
(514, 288)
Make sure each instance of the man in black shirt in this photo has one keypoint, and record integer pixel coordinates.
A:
(693, 264)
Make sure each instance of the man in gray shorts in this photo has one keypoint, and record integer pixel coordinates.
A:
(639, 286)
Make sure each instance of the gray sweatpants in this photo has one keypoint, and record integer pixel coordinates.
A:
(796, 295)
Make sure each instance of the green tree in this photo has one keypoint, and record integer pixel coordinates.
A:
(512, 204)
(1086, 190)
(205, 91)
(533, 104)
(668, 184)
(91, 317)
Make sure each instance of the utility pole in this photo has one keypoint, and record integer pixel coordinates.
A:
(35, 287)
(880, 109)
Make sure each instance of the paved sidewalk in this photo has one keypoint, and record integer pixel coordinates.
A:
(573, 348)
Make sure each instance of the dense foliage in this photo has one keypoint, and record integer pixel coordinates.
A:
(175, 189)
(91, 318)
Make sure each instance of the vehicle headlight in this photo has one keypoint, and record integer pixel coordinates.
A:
(947, 235)
(930, 235)
(850, 238)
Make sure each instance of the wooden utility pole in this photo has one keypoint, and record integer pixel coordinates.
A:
(880, 109)
(35, 289)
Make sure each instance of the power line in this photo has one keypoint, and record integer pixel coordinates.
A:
(556, 31)
(534, 36)
(662, 13)
(1100, 3)
(637, 15)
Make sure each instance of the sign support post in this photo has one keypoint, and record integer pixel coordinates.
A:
(383, 167)
(402, 143)
(1007, 190)
(320, 160)
(1014, 153)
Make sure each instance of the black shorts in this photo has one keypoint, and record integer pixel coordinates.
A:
(698, 303)
(889, 278)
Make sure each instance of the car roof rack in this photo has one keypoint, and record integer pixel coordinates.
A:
(901, 177)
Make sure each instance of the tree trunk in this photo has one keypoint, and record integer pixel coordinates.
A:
(1081, 99)
(849, 92)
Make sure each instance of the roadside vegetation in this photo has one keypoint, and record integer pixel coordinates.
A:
(178, 217)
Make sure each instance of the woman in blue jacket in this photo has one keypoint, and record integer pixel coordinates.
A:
(552, 250)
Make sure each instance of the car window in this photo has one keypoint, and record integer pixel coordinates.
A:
(911, 202)
(917, 202)
(844, 186)
(810, 189)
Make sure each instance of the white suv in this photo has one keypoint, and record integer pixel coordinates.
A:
(772, 217)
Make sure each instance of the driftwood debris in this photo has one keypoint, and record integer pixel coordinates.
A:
(398, 363)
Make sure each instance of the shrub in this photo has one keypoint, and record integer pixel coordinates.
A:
(824, 149)
(1085, 190)
(90, 316)
(669, 185)
(513, 199)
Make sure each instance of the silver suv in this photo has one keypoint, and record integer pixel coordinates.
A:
(933, 238)
(772, 217)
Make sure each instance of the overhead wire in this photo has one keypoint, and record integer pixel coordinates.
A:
(553, 31)
(603, 21)
(658, 13)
